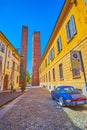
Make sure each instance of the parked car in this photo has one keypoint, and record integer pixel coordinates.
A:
(67, 95)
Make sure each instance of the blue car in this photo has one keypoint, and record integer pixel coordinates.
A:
(67, 95)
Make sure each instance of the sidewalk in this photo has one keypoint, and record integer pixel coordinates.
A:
(35, 110)
(6, 97)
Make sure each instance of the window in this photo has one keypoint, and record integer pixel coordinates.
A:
(61, 72)
(53, 74)
(85, 1)
(46, 63)
(9, 53)
(69, 89)
(57, 89)
(70, 28)
(52, 54)
(49, 76)
(49, 58)
(13, 67)
(43, 78)
(59, 44)
(17, 79)
(2, 47)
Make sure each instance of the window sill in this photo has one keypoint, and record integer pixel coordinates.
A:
(68, 41)
(54, 80)
(59, 52)
(76, 77)
(61, 79)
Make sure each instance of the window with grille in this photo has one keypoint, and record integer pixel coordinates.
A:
(49, 76)
(54, 74)
(46, 77)
(61, 71)
(70, 28)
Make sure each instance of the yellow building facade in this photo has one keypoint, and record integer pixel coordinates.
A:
(9, 65)
(64, 61)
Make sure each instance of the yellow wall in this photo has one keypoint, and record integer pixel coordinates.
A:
(78, 42)
(6, 70)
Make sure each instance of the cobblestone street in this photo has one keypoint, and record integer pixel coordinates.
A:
(35, 110)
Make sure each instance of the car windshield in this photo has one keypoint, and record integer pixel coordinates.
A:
(57, 89)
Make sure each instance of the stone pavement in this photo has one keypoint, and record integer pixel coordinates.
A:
(35, 110)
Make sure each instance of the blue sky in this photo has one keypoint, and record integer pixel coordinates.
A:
(38, 15)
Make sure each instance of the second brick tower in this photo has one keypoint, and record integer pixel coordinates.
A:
(35, 58)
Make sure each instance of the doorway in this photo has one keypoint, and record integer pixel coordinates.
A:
(5, 86)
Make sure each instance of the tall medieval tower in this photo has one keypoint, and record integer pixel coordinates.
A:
(24, 46)
(35, 58)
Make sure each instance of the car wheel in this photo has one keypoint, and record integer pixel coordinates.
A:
(61, 101)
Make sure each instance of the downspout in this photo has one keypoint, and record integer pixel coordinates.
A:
(5, 59)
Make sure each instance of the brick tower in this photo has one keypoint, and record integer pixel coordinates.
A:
(24, 43)
(35, 58)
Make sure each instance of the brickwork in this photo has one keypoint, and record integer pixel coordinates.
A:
(36, 58)
(24, 47)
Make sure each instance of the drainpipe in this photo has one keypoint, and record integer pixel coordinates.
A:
(5, 59)
(83, 70)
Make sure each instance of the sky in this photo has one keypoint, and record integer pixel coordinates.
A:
(38, 15)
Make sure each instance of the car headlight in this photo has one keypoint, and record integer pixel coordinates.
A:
(68, 100)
